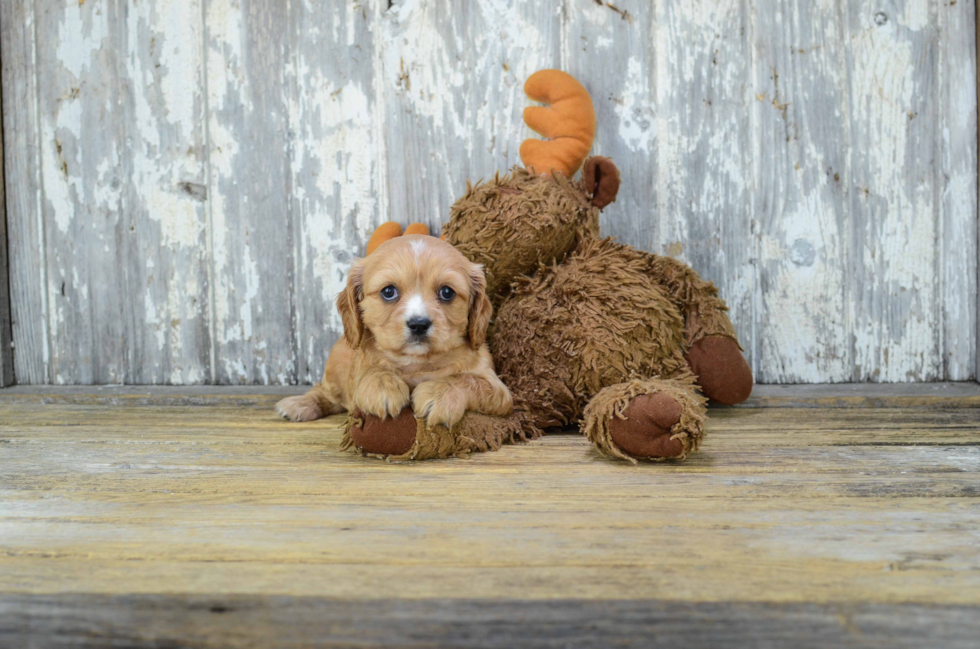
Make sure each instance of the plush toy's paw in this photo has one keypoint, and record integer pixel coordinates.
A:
(304, 407)
(646, 419)
(381, 394)
(645, 433)
(721, 369)
(438, 402)
(384, 436)
(406, 438)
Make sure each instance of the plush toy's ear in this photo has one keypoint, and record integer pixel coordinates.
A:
(600, 179)
(348, 303)
(480, 307)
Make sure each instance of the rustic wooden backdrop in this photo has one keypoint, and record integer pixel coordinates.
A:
(188, 180)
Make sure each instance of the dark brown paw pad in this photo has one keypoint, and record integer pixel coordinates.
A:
(721, 369)
(385, 436)
(645, 433)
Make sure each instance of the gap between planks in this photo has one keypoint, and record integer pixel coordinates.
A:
(828, 395)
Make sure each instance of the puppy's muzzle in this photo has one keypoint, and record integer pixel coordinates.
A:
(419, 326)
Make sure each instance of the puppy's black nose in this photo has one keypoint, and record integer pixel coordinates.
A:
(419, 325)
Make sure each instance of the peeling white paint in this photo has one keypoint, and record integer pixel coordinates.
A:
(637, 125)
(896, 332)
(81, 35)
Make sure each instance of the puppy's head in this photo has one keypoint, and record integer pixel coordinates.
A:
(416, 295)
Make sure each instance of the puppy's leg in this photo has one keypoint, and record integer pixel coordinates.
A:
(445, 401)
(381, 393)
(306, 407)
(324, 399)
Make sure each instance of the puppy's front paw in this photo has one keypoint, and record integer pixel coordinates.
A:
(300, 408)
(381, 394)
(438, 402)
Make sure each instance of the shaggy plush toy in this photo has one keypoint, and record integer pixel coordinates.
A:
(625, 343)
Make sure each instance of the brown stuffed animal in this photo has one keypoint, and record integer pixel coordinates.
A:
(587, 330)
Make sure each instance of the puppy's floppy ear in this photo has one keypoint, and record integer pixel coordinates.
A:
(480, 307)
(348, 304)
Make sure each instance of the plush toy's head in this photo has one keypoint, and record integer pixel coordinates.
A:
(533, 216)
(516, 222)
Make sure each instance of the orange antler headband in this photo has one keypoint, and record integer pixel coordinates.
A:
(390, 230)
(568, 123)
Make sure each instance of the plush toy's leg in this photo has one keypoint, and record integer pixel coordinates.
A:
(407, 438)
(713, 350)
(649, 419)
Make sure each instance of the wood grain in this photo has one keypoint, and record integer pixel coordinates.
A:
(6, 340)
(800, 106)
(256, 621)
(188, 181)
(25, 227)
(958, 200)
(252, 234)
(337, 162)
(616, 57)
(122, 148)
(837, 505)
(453, 84)
(852, 520)
(893, 62)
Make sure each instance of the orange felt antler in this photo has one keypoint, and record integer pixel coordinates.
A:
(568, 123)
(390, 230)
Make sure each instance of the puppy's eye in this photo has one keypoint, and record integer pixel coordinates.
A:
(446, 294)
(389, 293)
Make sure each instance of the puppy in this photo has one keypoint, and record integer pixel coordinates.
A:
(415, 315)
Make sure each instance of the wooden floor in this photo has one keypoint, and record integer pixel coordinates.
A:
(812, 517)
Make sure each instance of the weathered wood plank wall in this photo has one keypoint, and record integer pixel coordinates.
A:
(188, 180)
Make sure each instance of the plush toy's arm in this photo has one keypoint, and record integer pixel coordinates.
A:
(705, 314)
(713, 350)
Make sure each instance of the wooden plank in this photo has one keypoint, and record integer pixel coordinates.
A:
(705, 152)
(893, 58)
(338, 188)
(801, 203)
(258, 621)
(866, 395)
(122, 164)
(828, 506)
(454, 74)
(6, 335)
(613, 53)
(25, 227)
(958, 201)
(252, 229)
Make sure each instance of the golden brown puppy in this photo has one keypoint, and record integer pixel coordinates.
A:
(415, 315)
